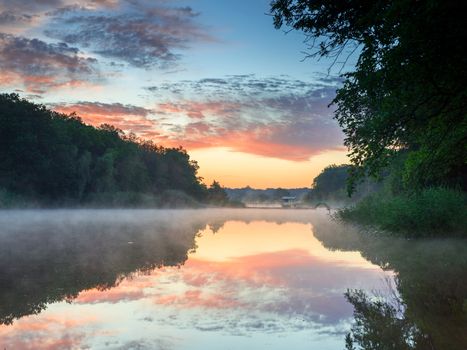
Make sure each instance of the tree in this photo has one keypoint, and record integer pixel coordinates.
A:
(330, 182)
(279, 193)
(381, 325)
(217, 194)
(408, 90)
(52, 158)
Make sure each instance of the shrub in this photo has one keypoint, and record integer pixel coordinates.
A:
(434, 211)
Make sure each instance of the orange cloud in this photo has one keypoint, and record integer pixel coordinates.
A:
(275, 140)
(39, 66)
(247, 117)
(196, 298)
(199, 109)
(51, 332)
(113, 295)
(128, 118)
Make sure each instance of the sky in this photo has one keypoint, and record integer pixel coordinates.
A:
(214, 77)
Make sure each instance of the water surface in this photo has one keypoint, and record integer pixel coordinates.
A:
(230, 279)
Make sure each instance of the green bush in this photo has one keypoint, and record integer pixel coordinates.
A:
(434, 211)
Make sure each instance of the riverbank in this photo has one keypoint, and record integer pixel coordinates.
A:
(431, 212)
(164, 200)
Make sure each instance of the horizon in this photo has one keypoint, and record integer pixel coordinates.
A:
(215, 78)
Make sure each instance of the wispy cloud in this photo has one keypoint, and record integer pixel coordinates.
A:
(29, 5)
(142, 34)
(38, 65)
(9, 18)
(274, 117)
(36, 7)
(57, 43)
(126, 117)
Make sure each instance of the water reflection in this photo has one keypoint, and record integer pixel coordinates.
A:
(430, 308)
(194, 279)
(50, 256)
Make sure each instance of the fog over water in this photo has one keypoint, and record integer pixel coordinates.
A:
(195, 279)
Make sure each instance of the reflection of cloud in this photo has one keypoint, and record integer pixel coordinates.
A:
(39, 65)
(112, 296)
(297, 283)
(48, 333)
(198, 299)
(290, 284)
(273, 117)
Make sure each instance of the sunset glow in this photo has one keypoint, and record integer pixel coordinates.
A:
(295, 285)
(213, 77)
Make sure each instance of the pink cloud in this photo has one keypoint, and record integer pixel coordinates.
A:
(128, 118)
(276, 140)
(39, 66)
(199, 109)
(112, 296)
(287, 125)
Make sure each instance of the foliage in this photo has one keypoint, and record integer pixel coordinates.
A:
(381, 325)
(433, 211)
(279, 193)
(408, 91)
(55, 159)
(217, 194)
(330, 185)
(55, 255)
(430, 277)
(268, 195)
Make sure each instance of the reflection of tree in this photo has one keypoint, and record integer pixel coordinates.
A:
(52, 259)
(49, 256)
(380, 325)
(431, 278)
(215, 226)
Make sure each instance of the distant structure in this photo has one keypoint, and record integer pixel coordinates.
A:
(289, 202)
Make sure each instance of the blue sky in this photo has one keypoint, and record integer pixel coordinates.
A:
(215, 77)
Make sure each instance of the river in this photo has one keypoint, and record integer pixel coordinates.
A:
(223, 279)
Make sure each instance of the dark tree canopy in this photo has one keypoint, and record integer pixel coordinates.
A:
(331, 180)
(408, 90)
(217, 194)
(331, 185)
(56, 159)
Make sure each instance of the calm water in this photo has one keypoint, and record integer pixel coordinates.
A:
(223, 279)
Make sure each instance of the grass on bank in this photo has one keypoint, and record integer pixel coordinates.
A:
(168, 199)
(431, 212)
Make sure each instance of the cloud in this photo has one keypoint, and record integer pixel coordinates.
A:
(89, 108)
(39, 6)
(274, 117)
(141, 34)
(128, 118)
(8, 18)
(112, 296)
(52, 332)
(198, 109)
(29, 5)
(38, 65)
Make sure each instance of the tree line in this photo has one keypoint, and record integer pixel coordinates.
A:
(51, 158)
